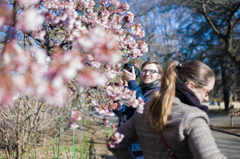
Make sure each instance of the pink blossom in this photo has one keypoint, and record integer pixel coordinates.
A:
(136, 63)
(72, 125)
(95, 102)
(141, 34)
(125, 60)
(125, 7)
(113, 127)
(102, 111)
(119, 137)
(80, 7)
(76, 115)
(95, 64)
(140, 109)
(111, 56)
(111, 114)
(71, 90)
(116, 138)
(104, 2)
(89, 57)
(105, 51)
(2, 21)
(15, 58)
(85, 43)
(88, 4)
(139, 104)
(137, 30)
(128, 17)
(65, 65)
(88, 78)
(28, 2)
(57, 82)
(39, 34)
(6, 88)
(118, 65)
(107, 67)
(115, 3)
(86, 95)
(72, 63)
(111, 74)
(58, 95)
(39, 55)
(119, 105)
(143, 46)
(29, 20)
(106, 123)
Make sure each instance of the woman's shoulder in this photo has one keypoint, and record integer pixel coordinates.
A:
(187, 112)
(185, 107)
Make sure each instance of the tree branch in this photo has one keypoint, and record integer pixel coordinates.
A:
(233, 12)
(221, 4)
(139, 15)
(210, 22)
(236, 21)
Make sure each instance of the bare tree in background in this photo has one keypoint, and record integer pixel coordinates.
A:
(160, 30)
(205, 30)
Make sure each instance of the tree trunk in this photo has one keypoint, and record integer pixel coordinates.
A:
(8, 149)
(8, 152)
(224, 83)
(235, 94)
(19, 131)
(230, 95)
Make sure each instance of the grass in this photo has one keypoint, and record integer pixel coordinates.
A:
(50, 149)
(3, 156)
(82, 149)
(108, 132)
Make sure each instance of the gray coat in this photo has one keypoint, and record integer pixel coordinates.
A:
(187, 133)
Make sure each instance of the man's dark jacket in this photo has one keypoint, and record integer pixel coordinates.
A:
(143, 91)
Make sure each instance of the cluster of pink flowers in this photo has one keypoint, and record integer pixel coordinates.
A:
(104, 109)
(117, 105)
(28, 20)
(137, 30)
(5, 15)
(116, 138)
(136, 63)
(126, 96)
(75, 116)
(27, 2)
(106, 123)
(98, 41)
(71, 41)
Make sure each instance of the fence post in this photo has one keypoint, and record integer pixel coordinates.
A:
(231, 120)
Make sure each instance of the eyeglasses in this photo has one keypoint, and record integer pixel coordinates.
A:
(206, 92)
(151, 71)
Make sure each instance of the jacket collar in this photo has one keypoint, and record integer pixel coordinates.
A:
(153, 84)
(188, 97)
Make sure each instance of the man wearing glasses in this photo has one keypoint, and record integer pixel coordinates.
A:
(149, 82)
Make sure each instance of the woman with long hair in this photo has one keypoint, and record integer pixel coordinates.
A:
(174, 123)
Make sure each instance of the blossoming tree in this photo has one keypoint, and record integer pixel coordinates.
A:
(45, 44)
(52, 42)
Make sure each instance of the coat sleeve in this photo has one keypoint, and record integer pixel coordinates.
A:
(200, 140)
(133, 87)
(122, 150)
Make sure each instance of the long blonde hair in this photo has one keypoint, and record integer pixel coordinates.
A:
(161, 102)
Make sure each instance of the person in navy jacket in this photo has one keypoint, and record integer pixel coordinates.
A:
(149, 82)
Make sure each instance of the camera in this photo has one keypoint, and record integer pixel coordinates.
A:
(128, 67)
